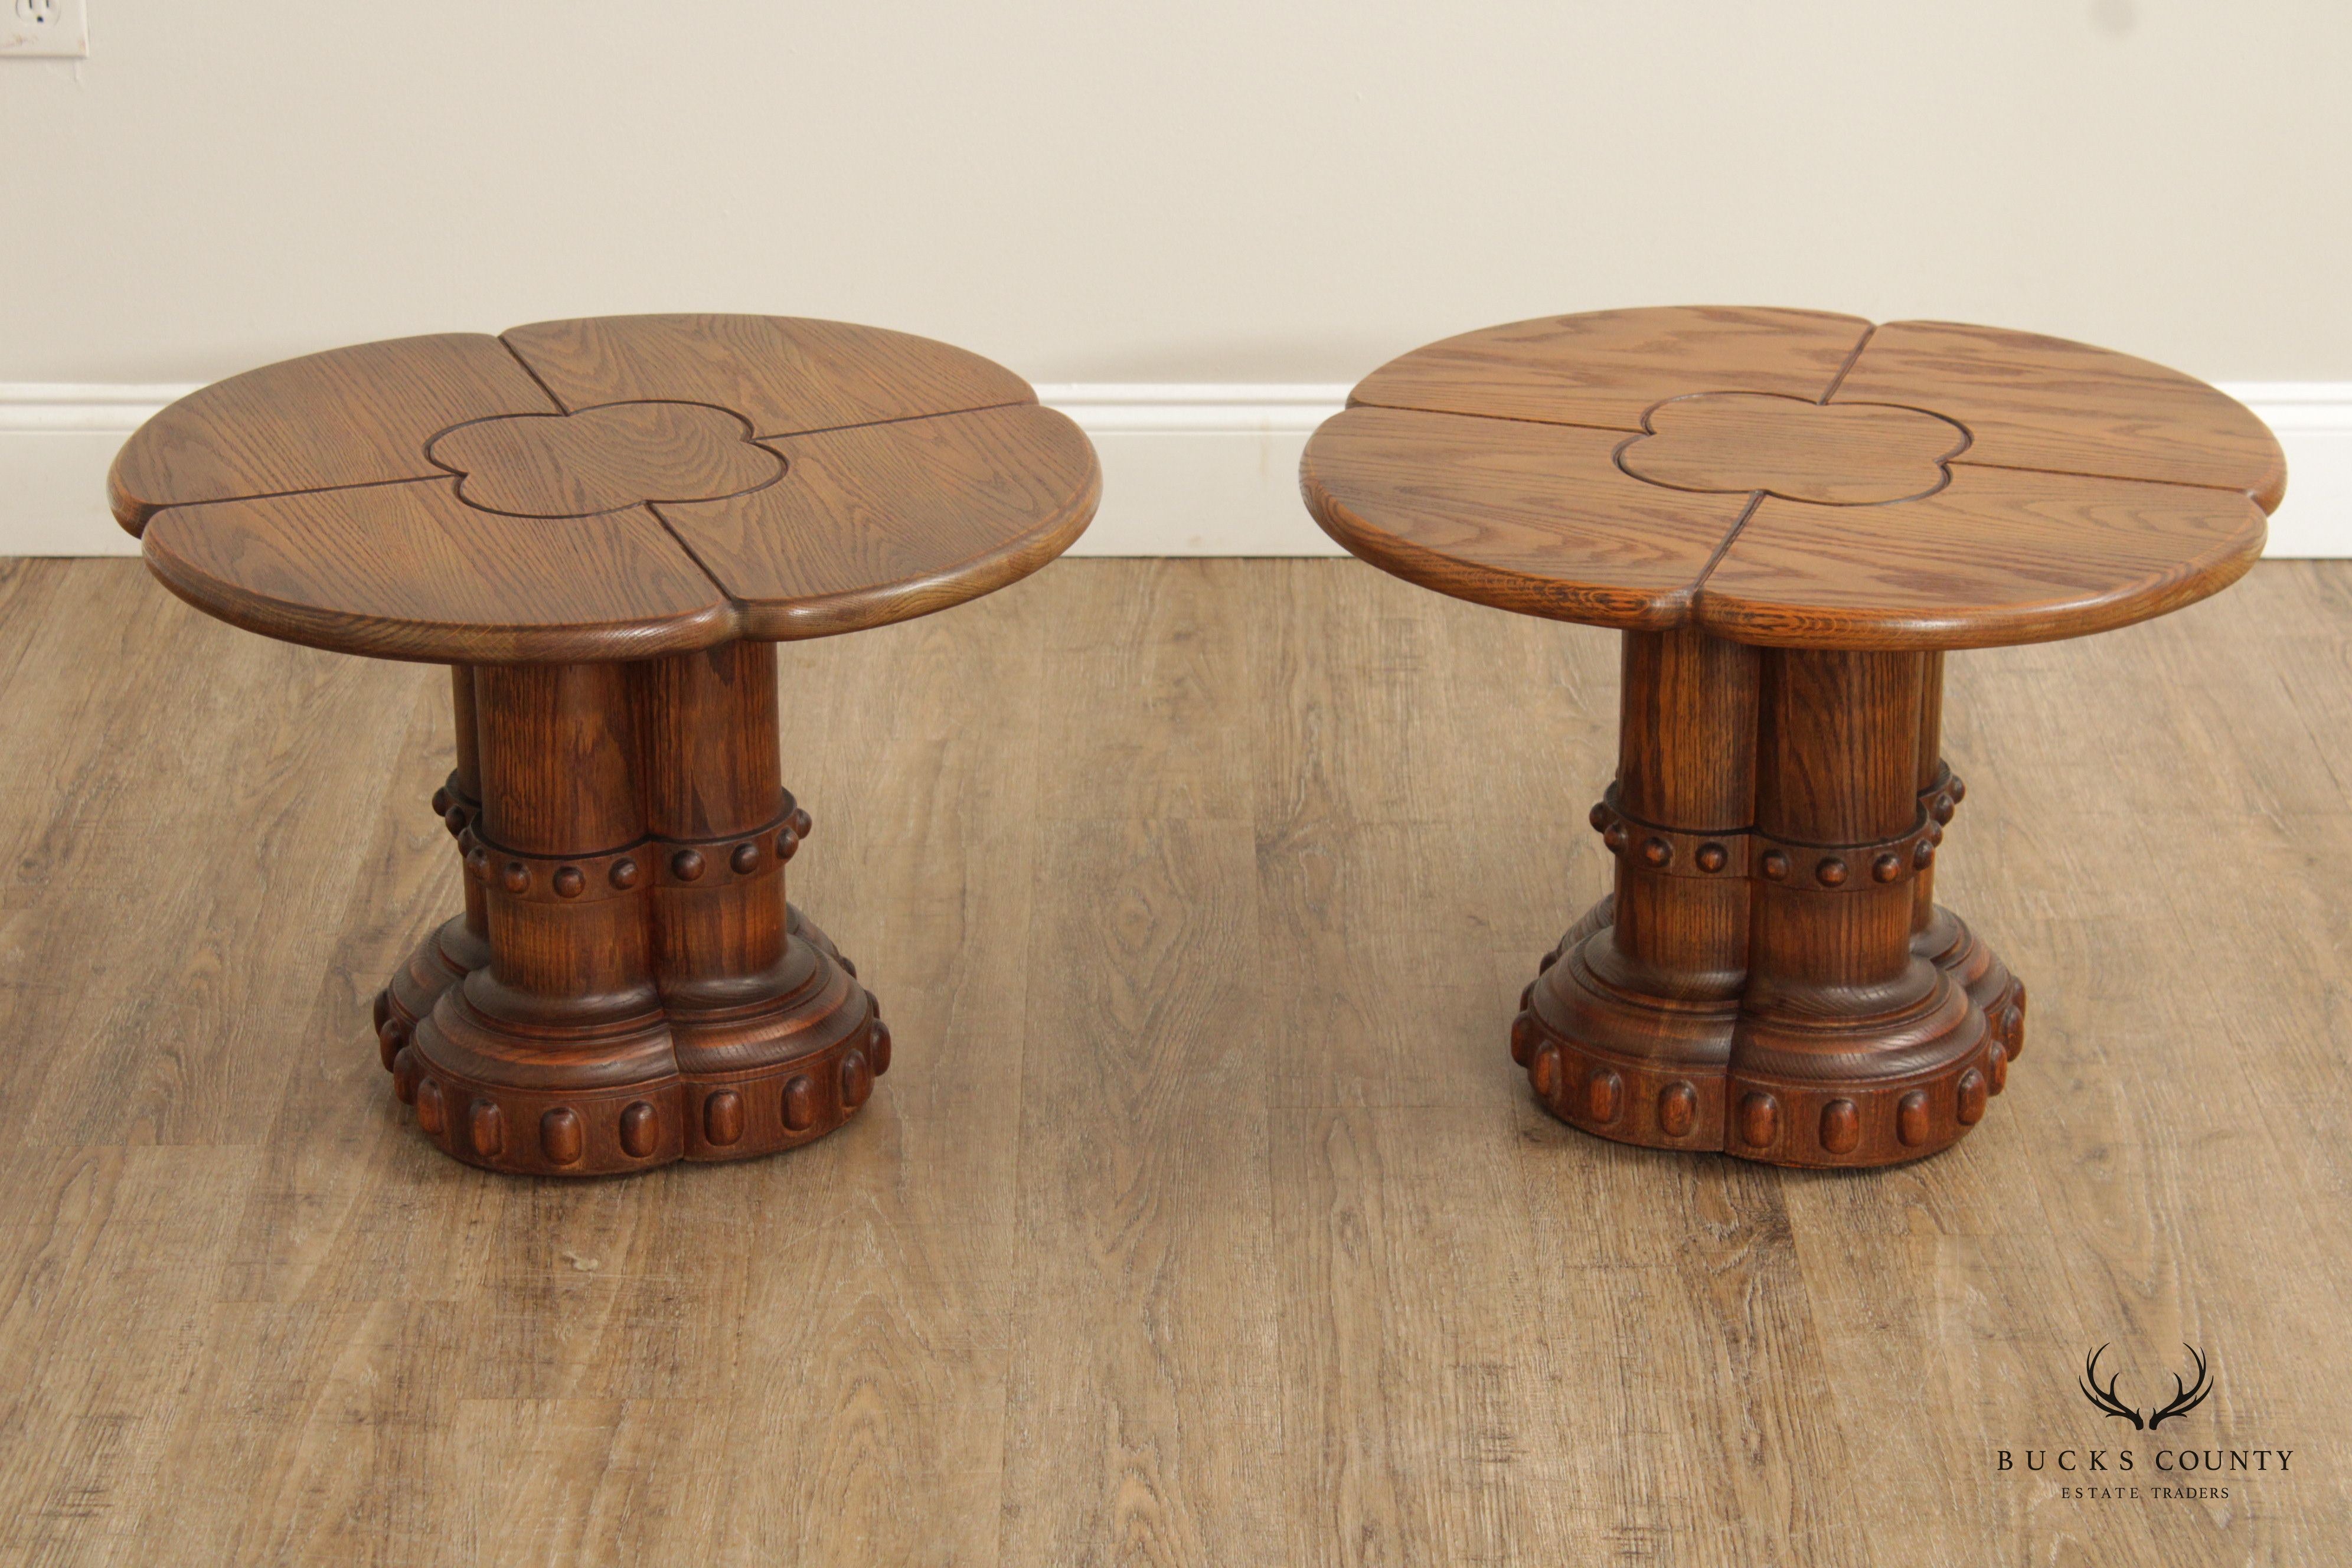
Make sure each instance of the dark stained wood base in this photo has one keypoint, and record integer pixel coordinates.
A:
(627, 985)
(1772, 977)
(1679, 1103)
(439, 961)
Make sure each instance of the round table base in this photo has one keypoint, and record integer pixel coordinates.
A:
(827, 1036)
(454, 951)
(1772, 977)
(1676, 1080)
(627, 985)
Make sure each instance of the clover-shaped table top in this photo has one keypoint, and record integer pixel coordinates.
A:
(1796, 479)
(614, 487)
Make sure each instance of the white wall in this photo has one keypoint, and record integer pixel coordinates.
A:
(1235, 191)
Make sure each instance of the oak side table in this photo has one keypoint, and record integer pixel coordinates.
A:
(1791, 515)
(604, 527)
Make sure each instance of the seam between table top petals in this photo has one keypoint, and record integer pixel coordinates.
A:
(537, 380)
(898, 419)
(561, 411)
(734, 605)
(691, 554)
(1698, 583)
(1844, 371)
(1964, 462)
(743, 603)
(1500, 418)
(438, 473)
(1697, 591)
(563, 408)
(945, 571)
(1755, 497)
(1839, 380)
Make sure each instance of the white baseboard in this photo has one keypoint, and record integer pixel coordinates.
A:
(56, 441)
(1188, 468)
(1193, 469)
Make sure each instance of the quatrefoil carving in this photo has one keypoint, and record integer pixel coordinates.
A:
(602, 459)
(1836, 454)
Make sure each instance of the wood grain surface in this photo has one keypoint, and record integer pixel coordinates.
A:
(637, 1000)
(604, 459)
(1203, 1220)
(1608, 368)
(1490, 510)
(1998, 556)
(471, 500)
(411, 572)
(1915, 486)
(1836, 454)
(357, 416)
(785, 374)
(883, 522)
(2032, 402)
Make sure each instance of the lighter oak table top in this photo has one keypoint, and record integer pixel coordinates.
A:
(1797, 478)
(603, 526)
(616, 488)
(1789, 516)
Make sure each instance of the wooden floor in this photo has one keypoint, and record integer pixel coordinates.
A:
(1202, 1218)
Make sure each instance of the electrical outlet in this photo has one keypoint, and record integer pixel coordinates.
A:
(37, 29)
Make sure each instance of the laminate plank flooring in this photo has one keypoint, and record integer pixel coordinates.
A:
(1202, 1218)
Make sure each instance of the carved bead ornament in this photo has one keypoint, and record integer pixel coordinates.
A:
(457, 810)
(1671, 850)
(1730, 852)
(577, 879)
(1827, 1124)
(644, 1125)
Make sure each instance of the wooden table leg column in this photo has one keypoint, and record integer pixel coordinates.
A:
(554, 1057)
(1627, 1030)
(776, 1042)
(1851, 1049)
(1938, 935)
(461, 944)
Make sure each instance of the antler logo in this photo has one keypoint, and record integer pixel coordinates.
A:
(2186, 1397)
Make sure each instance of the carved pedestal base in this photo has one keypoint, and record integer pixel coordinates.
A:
(627, 985)
(1772, 977)
(1678, 1100)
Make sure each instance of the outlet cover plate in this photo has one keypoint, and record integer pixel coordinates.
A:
(44, 29)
